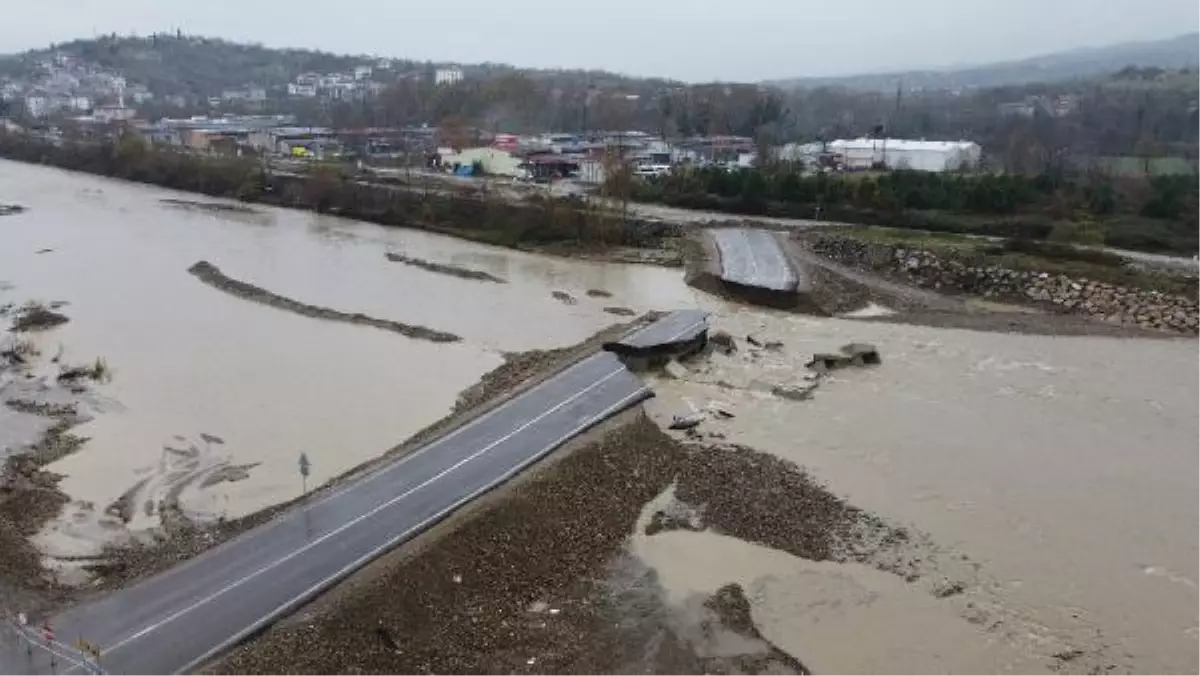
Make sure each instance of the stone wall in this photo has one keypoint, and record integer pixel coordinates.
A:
(946, 272)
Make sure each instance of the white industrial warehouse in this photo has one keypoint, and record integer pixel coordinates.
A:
(865, 153)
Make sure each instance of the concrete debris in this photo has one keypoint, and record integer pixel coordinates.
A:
(796, 391)
(686, 422)
(851, 354)
(675, 370)
(773, 345)
(753, 341)
(861, 353)
(723, 342)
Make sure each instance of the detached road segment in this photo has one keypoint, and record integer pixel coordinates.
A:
(181, 618)
(754, 258)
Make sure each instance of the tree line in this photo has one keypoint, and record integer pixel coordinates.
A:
(538, 221)
(1155, 214)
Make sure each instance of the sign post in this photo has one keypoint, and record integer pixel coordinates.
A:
(304, 467)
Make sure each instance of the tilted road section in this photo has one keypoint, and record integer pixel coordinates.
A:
(679, 326)
(178, 619)
(754, 258)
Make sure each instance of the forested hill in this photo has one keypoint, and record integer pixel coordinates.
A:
(1173, 53)
(189, 65)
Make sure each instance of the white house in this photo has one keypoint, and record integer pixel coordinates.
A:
(865, 153)
(37, 105)
(447, 76)
(80, 104)
(306, 91)
(362, 72)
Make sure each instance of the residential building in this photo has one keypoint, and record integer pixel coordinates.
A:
(306, 91)
(362, 72)
(37, 105)
(447, 76)
(113, 113)
(80, 104)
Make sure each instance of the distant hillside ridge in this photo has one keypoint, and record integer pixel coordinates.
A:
(1172, 53)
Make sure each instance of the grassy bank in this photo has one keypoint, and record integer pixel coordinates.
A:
(538, 223)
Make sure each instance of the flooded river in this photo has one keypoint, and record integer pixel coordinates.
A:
(1064, 468)
(204, 381)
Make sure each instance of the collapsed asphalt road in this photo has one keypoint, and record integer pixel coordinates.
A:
(182, 617)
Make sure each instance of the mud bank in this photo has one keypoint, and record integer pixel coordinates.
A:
(541, 578)
(212, 275)
(441, 268)
(38, 412)
(217, 207)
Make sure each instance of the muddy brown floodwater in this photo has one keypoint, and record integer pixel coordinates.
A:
(1065, 467)
(213, 397)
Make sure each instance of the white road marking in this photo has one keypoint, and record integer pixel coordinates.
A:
(374, 474)
(237, 583)
(362, 560)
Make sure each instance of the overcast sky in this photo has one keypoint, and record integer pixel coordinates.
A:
(692, 40)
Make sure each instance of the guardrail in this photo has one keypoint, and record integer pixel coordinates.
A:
(42, 640)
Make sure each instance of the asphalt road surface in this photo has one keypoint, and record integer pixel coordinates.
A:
(679, 326)
(754, 258)
(178, 619)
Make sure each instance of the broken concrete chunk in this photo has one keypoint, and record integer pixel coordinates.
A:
(796, 391)
(723, 341)
(852, 354)
(861, 353)
(754, 341)
(773, 345)
(823, 362)
(675, 370)
(564, 297)
(686, 422)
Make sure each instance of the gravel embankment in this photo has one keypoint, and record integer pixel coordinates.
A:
(212, 275)
(539, 578)
(443, 269)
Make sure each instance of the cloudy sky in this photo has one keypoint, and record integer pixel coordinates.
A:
(692, 40)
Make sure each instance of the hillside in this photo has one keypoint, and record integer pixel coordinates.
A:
(1172, 53)
(188, 65)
